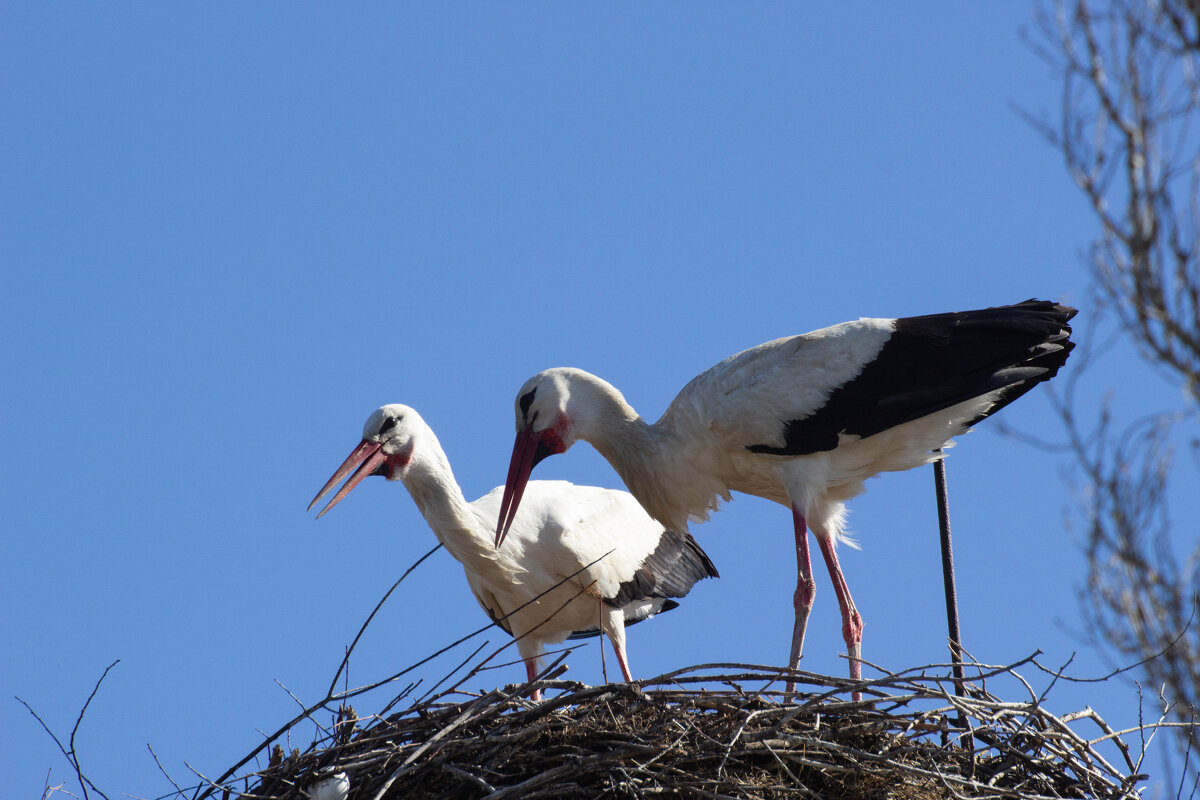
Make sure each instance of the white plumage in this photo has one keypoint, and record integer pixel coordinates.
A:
(330, 787)
(803, 421)
(598, 543)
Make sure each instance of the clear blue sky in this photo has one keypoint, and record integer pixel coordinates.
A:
(231, 231)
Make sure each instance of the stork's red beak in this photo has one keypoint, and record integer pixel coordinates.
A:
(528, 450)
(365, 459)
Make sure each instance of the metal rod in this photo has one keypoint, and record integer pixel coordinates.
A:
(943, 503)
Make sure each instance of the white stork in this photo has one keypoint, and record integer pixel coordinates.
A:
(598, 543)
(802, 420)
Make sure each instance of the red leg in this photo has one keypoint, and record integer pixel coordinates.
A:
(531, 670)
(852, 624)
(612, 622)
(622, 659)
(806, 590)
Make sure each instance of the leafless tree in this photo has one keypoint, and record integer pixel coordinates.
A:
(1128, 131)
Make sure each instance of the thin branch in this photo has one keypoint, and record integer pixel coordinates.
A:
(166, 775)
(371, 616)
(69, 751)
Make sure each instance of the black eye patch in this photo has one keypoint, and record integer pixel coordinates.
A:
(389, 423)
(526, 401)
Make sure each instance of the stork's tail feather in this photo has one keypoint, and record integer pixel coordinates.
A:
(670, 571)
(1043, 326)
(1003, 351)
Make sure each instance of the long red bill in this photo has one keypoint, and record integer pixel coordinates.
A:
(525, 450)
(362, 462)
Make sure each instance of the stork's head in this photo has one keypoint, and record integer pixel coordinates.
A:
(547, 416)
(386, 449)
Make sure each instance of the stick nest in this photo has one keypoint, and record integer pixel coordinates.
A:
(714, 731)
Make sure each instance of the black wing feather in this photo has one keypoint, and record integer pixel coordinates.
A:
(933, 362)
(670, 571)
(591, 633)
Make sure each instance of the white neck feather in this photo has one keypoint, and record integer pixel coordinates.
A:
(641, 453)
(601, 416)
(437, 494)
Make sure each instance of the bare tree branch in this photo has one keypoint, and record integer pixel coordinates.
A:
(1129, 134)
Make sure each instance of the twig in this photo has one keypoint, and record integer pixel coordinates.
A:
(71, 755)
(371, 616)
(178, 791)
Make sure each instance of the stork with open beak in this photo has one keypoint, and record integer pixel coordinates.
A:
(577, 561)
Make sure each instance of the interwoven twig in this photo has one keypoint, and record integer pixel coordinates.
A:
(718, 731)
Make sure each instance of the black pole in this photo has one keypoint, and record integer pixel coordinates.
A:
(943, 503)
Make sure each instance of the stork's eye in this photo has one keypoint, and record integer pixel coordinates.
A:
(388, 424)
(526, 401)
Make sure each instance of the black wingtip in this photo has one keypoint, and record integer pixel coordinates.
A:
(933, 362)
